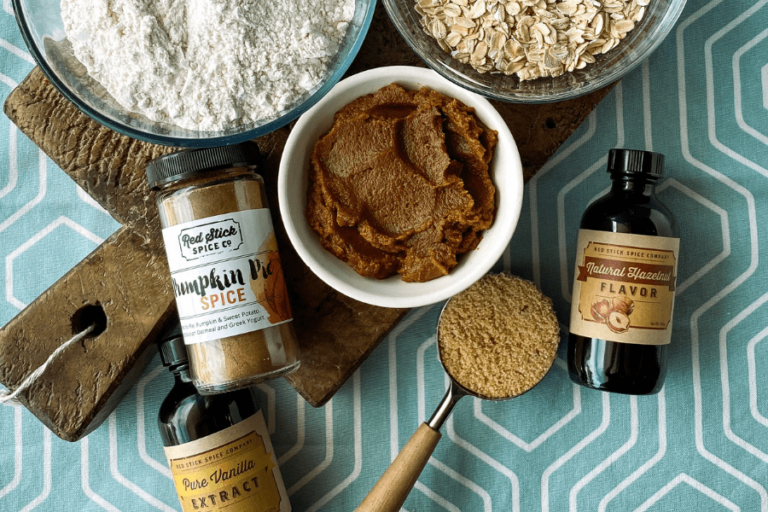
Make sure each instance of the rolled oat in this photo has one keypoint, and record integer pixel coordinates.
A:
(530, 38)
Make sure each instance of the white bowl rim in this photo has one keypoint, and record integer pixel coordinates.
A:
(507, 214)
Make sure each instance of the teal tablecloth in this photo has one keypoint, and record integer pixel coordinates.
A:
(701, 444)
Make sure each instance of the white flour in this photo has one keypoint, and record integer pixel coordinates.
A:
(206, 64)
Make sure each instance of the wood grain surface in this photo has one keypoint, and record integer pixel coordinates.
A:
(128, 276)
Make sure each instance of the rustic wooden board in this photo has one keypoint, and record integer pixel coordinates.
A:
(127, 275)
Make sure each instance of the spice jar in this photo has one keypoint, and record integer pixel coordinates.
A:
(624, 282)
(225, 267)
(218, 447)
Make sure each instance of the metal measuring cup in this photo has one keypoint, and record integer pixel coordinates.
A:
(390, 492)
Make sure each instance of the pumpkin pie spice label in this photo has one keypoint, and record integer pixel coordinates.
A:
(226, 275)
(233, 470)
(624, 287)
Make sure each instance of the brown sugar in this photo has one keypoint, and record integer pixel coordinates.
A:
(400, 184)
(499, 337)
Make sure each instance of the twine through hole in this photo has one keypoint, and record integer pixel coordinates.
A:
(7, 397)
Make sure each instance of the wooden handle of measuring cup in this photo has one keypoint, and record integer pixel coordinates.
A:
(390, 492)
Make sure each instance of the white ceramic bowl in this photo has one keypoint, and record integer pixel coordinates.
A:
(506, 172)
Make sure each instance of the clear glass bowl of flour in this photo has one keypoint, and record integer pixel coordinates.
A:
(42, 27)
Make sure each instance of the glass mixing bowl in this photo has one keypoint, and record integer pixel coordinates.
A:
(659, 19)
(43, 31)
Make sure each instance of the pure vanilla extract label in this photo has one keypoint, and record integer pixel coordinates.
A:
(624, 287)
(233, 470)
(226, 274)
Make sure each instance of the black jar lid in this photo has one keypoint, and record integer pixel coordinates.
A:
(173, 352)
(189, 162)
(635, 161)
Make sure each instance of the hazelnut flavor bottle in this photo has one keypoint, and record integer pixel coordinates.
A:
(624, 283)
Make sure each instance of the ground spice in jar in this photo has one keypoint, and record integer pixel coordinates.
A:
(499, 337)
(225, 267)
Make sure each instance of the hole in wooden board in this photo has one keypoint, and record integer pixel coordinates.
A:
(87, 315)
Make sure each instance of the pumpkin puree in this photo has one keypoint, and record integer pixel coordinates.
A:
(400, 184)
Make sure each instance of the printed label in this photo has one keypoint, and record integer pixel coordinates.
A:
(226, 275)
(233, 470)
(624, 287)
(220, 237)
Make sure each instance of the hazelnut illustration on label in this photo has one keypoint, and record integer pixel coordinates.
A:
(624, 289)
(614, 313)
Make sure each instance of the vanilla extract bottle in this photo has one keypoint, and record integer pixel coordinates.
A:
(217, 446)
(624, 282)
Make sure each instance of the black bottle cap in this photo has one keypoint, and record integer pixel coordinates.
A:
(634, 161)
(173, 352)
(186, 163)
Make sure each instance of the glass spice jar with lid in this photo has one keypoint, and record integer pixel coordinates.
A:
(225, 267)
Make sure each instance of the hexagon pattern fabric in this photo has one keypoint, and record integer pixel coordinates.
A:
(701, 444)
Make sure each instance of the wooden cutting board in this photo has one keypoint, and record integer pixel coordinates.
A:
(127, 276)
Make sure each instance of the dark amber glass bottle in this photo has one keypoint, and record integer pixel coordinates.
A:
(623, 298)
(185, 415)
(217, 446)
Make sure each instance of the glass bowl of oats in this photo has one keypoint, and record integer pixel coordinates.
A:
(196, 74)
(533, 51)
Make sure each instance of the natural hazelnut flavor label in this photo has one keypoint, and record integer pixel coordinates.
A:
(226, 275)
(624, 287)
(233, 470)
